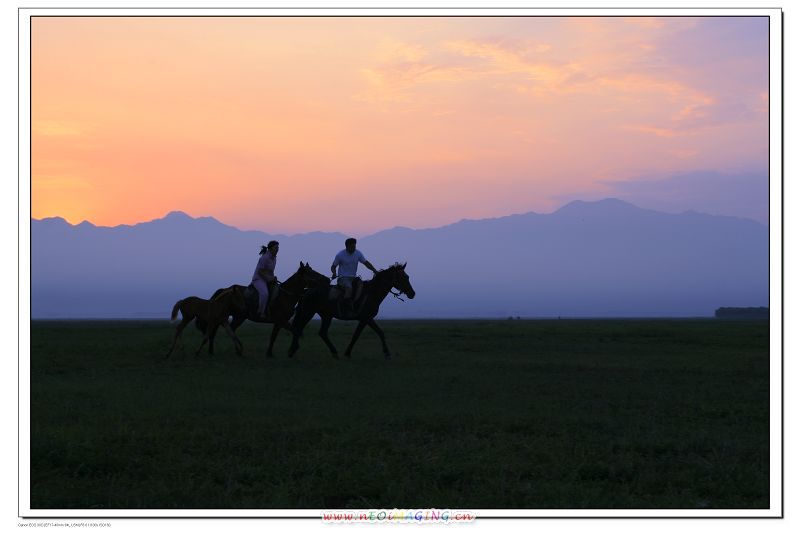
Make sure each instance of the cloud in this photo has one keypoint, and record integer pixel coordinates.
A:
(658, 132)
(685, 153)
(59, 182)
(55, 128)
(762, 106)
(697, 118)
(519, 57)
(645, 22)
(614, 77)
(390, 51)
(396, 82)
(629, 63)
(400, 68)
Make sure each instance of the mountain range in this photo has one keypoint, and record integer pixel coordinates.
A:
(588, 259)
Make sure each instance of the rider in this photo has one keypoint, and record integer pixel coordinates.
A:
(347, 260)
(264, 277)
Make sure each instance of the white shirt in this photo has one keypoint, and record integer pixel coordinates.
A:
(348, 263)
(265, 262)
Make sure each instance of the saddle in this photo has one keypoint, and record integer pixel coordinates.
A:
(251, 298)
(336, 294)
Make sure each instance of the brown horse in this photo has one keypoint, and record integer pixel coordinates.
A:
(319, 301)
(281, 307)
(213, 313)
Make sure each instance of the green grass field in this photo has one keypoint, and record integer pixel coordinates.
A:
(469, 414)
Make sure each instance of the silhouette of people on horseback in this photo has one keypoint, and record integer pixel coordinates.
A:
(281, 308)
(304, 294)
(347, 261)
(264, 279)
(319, 300)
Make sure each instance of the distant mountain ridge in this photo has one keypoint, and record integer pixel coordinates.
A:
(604, 258)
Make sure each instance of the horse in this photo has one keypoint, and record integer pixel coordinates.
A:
(213, 313)
(281, 306)
(319, 301)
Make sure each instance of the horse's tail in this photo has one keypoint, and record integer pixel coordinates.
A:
(175, 309)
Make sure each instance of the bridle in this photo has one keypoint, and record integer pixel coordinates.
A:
(287, 291)
(290, 293)
(398, 293)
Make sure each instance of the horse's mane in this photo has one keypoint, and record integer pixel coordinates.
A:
(395, 266)
(295, 273)
(385, 271)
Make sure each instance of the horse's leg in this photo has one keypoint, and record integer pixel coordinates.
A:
(275, 330)
(371, 323)
(211, 333)
(237, 344)
(237, 321)
(323, 332)
(178, 330)
(359, 329)
(298, 324)
(205, 340)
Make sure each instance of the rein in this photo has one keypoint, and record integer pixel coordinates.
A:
(396, 295)
(287, 291)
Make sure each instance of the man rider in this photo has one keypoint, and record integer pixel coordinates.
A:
(347, 260)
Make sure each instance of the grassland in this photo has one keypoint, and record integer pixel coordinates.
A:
(469, 414)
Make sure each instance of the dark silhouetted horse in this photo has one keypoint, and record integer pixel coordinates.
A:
(213, 313)
(324, 302)
(281, 305)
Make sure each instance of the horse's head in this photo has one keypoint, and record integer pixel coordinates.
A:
(400, 280)
(312, 278)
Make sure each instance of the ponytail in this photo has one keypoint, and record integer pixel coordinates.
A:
(269, 245)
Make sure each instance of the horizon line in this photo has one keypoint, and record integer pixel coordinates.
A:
(361, 235)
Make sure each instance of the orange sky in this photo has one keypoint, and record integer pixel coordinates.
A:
(359, 124)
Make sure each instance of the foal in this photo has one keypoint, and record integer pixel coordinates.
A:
(214, 312)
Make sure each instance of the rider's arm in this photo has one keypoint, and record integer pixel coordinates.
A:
(369, 266)
(266, 275)
(363, 261)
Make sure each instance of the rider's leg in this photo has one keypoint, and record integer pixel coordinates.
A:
(347, 300)
(263, 296)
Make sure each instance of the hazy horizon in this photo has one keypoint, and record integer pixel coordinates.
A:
(368, 234)
(589, 259)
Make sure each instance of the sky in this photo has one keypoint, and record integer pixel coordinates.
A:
(359, 124)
